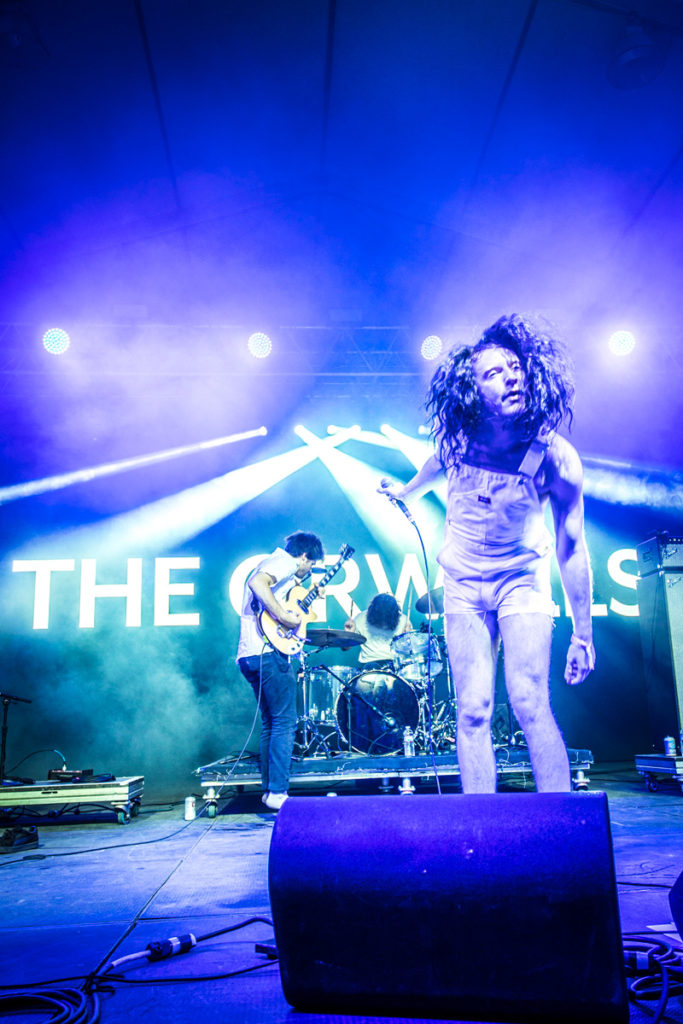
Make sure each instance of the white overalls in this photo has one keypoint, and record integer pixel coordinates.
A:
(497, 548)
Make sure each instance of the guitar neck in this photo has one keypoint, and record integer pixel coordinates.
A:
(332, 571)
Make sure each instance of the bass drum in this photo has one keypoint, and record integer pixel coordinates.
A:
(374, 710)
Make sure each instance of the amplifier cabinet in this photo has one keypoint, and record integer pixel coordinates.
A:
(660, 552)
(660, 600)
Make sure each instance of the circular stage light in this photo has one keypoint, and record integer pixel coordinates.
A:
(621, 343)
(260, 345)
(431, 347)
(56, 341)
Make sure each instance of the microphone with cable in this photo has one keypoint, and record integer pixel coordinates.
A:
(397, 501)
(404, 509)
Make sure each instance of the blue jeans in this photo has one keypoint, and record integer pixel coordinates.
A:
(273, 679)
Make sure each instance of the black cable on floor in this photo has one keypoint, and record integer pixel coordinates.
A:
(116, 846)
(68, 1006)
(654, 971)
(74, 1006)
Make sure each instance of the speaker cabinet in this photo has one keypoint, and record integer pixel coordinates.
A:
(676, 903)
(486, 908)
(660, 601)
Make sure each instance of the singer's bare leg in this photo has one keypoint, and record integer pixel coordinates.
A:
(472, 650)
(526, 646)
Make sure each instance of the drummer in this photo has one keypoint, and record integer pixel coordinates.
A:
(382, 621)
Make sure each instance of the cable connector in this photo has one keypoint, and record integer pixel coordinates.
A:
(639, 961)
(267, 950)
(164, 948)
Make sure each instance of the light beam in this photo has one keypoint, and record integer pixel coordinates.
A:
(54, 483)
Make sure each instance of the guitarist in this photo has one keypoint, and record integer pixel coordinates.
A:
(272, 675)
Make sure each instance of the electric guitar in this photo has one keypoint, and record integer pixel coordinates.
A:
(284, 638)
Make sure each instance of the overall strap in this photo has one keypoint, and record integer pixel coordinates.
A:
(535, 454)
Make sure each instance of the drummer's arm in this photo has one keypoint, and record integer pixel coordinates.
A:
(350, 626)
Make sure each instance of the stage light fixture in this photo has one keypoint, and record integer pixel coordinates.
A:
(56, 341)
(260, 345)
(639, 56)
(432, 347)
(621, 343)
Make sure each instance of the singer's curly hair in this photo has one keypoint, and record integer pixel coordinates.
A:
(453, 400)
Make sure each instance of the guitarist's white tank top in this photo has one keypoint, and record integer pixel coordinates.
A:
(282, 567)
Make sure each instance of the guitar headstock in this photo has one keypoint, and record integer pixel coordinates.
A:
(345, 552)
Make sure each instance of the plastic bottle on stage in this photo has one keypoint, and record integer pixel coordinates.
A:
(190, 808)
(669, 746)
(408, 742)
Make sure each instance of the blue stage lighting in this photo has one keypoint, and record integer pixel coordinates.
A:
(621, 343)
(432, 347)
(56, 341)
(260, 345)
(53, 483)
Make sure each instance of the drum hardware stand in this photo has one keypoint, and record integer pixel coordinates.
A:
(322, 639)
(310, 728)
(450, 689)
(444, 721)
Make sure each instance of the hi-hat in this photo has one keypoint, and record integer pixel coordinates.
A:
(430, 603)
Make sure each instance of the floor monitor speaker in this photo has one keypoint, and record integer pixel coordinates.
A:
(478, 908)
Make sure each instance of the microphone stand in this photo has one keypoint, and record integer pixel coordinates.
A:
(7, 699)
(402, 507)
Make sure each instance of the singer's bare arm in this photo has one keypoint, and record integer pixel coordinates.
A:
(423, 481)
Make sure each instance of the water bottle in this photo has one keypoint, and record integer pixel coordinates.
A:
(408, 742)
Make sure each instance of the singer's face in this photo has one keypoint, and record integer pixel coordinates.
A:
(501, 382)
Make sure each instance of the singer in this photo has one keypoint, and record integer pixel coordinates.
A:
(495, 410)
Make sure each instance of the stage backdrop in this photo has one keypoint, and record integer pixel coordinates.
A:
(120, 596)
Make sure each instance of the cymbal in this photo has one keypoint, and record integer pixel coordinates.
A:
(430, 603)
(343, 638)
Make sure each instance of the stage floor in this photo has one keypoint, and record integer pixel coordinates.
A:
(96, 890)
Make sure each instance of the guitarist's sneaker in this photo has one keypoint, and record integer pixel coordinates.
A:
(273, 801)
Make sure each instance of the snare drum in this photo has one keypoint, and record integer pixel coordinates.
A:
(375, 710)
(410, 655)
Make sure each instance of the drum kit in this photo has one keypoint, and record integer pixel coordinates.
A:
(386, 709)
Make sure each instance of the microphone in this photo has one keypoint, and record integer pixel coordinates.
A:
(385, 483)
